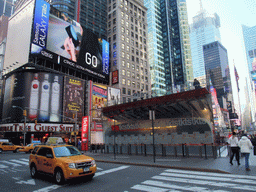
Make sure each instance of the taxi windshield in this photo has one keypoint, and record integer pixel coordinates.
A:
(66, 151)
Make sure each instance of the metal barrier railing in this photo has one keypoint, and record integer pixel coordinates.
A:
(176, 150)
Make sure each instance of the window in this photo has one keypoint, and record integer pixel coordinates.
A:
(128, 73)
(123, 63)
(127, 32)
(114, 29)
(129, 90)
(128, 65)
(114, 21)
(114, 37)
(123, 72)
(114, 5)
(138, 85)
(122, 21)
(133, 67)
(133, 75)
(122, 45)
(122, 29)
(129, 84)
(133, 84)
(127, 40)
(123, 82)
(137, 67)
(132, 34)
(127, 56)
(127, 16)
(127, 24)
(128, 48)
(122, 54)
(138, 76)
(122, 37)
(122, 14)
(124, 90)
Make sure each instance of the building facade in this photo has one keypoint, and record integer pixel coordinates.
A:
(203, 30)
(250, 48)
(217, 71)
(127, 35)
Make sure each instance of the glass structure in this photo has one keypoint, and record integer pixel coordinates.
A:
(203, 30)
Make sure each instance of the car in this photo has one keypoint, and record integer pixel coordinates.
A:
(8, 146)
(61, 161)
(29, 148)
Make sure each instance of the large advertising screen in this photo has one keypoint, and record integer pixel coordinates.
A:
(73, 104)
(114, 95)
(39, 93)
(66, 42)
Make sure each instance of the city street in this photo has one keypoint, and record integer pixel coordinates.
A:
(15, 176)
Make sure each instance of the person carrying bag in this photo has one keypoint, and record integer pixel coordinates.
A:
(233, 142)
(245, 145)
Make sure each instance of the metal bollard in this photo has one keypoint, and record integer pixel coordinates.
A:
(200, 151)
(107, 149)
(183, 151)
(205, 151)
(141, 149)
(121, 150)
(136, 149)
(145, 149)
(175, 151)
(187, 151)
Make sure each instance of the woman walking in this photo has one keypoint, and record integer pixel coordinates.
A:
(233, 142)
(245, 146)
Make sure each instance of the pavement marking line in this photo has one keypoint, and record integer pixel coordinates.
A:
(110, 170)
(148, 188)
(25, 159)
(99, 169)
(29, 182)
(46, 189)
(211, 183)
(172, 186)
(211, 174)
(10, 163)
(21, 162)
(3, 166)
(209, 178)
(168, 160)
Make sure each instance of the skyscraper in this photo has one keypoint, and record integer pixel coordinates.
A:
(250, 48)
(217, 71)
(7, 7)
(203, 30)
(127, 35)
(91, 14)
(169, 46)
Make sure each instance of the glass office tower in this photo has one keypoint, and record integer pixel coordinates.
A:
(217, 71)
(203, 30)
(169, 46)
(250, 48)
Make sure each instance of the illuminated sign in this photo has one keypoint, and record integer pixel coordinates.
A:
(66, 42)
(115, 77)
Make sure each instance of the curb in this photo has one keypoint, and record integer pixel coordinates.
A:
(164, 166)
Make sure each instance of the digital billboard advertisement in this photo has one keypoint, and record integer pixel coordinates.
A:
(40, 94)
(99, 100)
(73, 99)
(113, 96)
(66, 42)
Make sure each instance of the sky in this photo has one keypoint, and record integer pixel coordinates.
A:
(233, 14)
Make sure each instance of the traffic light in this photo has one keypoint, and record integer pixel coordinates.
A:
(25, 112)
(74, 115)
(35, 121)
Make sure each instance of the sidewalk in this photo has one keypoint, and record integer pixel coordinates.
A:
(219, 165)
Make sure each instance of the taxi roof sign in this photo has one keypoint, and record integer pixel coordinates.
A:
(54, 140)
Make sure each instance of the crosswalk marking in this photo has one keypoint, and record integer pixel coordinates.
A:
(110, 170)
(10, 163)
(18, 161)
(25, 159)
(179, 180)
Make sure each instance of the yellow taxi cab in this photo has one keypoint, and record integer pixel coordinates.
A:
(61, 161)
(8, 146)
(29, 148)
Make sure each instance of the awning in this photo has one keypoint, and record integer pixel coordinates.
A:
(192, 103)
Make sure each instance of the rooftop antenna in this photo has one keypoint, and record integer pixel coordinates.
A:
(201, 5)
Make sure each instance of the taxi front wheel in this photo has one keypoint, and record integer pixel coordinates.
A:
(59, 177)
(33, 171)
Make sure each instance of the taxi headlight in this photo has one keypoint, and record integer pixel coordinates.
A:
(93, 163)
(72, 165)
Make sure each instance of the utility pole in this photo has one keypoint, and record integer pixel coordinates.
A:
(75, 128)
(25, 126)
(152, 117)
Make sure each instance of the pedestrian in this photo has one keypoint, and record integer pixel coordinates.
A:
(233, 142)
(79, 145)
(253, 140)
(245, 146)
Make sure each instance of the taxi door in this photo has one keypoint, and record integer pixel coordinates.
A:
(48, 161)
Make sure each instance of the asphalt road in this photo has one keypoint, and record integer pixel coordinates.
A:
(15, 176)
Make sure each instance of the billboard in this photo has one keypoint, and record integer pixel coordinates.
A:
(39, 93)
(115, 77)
(66, 42)
(99, 100)
(113, 96)
(73, 99)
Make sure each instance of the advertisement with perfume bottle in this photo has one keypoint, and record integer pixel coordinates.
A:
(73, 102)
(40, 94)
(64, 41)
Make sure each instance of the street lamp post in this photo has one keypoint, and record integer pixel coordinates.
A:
(25, 122)
(152, 117)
